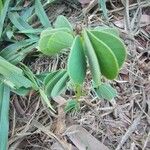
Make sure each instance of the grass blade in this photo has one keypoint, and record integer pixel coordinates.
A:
(4, 113)
(19, 23)
(39, 10)
(3, 15)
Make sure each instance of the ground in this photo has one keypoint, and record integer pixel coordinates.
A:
(123, 123)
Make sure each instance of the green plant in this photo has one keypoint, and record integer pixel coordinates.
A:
(100, 49)
(15, 76)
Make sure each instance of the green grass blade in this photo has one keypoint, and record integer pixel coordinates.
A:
(4, 115)
(13, 74)
(15, 48)
(40, 12)
(3, 15)
(1, 5)
(19, 23)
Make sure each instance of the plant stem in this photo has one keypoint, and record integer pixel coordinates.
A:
(78, 91)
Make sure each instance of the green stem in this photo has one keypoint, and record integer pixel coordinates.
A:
(78, 91)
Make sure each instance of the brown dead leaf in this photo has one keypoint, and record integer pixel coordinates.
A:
(83, 140)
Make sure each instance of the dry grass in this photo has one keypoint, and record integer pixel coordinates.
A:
(123, 123)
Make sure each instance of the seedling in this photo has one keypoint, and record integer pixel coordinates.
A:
(100, 48)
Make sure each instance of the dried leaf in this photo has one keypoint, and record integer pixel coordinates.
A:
(83, 140)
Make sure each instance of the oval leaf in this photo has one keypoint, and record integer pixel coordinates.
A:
(107, 60)
(52, 44)
(113, 31)
(118, 48)
(50, 31)
(60, 85)
(106, 91)
(77, 62)
(62, 22)
(92, 59)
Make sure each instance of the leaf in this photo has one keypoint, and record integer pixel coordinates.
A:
(72, 105)
(13, 74)
(21, 91)
(30, 76)
(106, 91)
(46, 100)
(52, 44)
(4, 115)
(118, 48)
(1, 5)
(15, 48)
(20, 24)
(82, 139)
(3, 15)
(92, 59)
(50, 31)
(41, 14)
(59, 86)
(49, 76)
(27, 13)
(109, 30)
(51, 83)
(107, 60)
(77, 62)
(62, 22)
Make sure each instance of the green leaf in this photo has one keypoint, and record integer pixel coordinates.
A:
(114, 43)
(39, 10)
(21, 91)
(52, 44)
(109, 30)
(72, 105)
(17, 48)
(46, 100)
(13, 74)
(19, 23)
(4, 115)
(30, 76)
(51, 83)
(77, 62)
(3, 15)
(106, 91)
(1, 5)
(107, 60)
(62, 22)
(92, 59)
(49, 76)
(50, 31)
(59, 86)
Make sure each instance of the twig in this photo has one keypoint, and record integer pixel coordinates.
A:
(130, 130)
